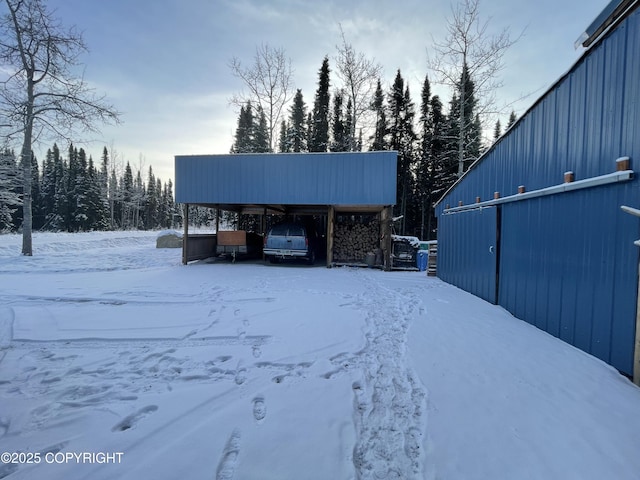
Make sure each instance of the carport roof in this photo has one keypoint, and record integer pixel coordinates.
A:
(285, 182)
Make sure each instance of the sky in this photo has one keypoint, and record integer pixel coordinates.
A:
(164, 64)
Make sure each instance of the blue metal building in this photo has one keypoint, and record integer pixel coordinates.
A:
(535, 224)
(290, 184)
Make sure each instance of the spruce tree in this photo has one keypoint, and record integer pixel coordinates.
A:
(402, 138)
(443, 149)
(284, 145)
(97, 205)
(127, 198)
(425, 169)
(338, 128)
(319, 126)
(512, 119)
(9, 197)
(465, 127)
(497, 131)
(151, 205)
(243, 142)
(36, 195)
(380, 133)
(115, 200)
(261, 133)
(297, 120)
(59, 213)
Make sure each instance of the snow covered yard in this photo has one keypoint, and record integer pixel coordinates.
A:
(248, 371)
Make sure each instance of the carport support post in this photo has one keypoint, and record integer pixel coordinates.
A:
(385, 236)
(185, 237)
(330, 229)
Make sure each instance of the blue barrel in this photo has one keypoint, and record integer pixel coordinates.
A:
(422, 259)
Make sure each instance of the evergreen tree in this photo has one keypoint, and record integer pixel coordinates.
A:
(349, 140)
(48, 187)
(465, 129)
(98, 211)
(139, 197)
(446, 163)
(243, 142)
(103, 182)
(81, 212)
(9, 197)
(37, 206)
(512, 119)
(151, 207)
(284, 145)
(338, 127)
(380, 133)
(261, 133)
(319, 127)
(58, 216)
(297, 129)
(168, 205)
(497, 131)
(127, 195)
(115, 200)
(402, 138)
(425, 169)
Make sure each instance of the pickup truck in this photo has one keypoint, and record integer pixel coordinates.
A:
(290, 240)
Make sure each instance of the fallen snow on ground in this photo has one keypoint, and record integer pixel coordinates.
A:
(250, 371)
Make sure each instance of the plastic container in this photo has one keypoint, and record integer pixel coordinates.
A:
(422, 258)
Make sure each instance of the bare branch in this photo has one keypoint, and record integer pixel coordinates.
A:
(359, 76)
(40, 92)
(269, 81)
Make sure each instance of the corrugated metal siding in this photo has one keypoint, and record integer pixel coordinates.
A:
(289, 179)
(588, 120)
(466, 259)
(575, 280)
(567, 261)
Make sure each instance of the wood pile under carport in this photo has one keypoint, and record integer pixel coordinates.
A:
(357, 239)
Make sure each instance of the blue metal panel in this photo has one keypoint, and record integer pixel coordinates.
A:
(290, 179)
(586, 121)
(567, 261)
(568, 265)
(468, 258)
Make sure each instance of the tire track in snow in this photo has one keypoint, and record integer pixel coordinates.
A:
(389, 403)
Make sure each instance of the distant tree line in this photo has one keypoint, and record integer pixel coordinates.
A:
(426, 137)
(73, 194)
(436, 139)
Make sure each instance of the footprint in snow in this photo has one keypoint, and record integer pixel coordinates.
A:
(259, 409)
(227, 465)
(131, 421)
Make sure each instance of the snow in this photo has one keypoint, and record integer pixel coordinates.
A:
(413, 241)
(250, 371)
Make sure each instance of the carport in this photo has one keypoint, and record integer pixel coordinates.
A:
(345, 187)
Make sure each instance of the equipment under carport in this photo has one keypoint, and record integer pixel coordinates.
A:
(404, 252)
(238, 243)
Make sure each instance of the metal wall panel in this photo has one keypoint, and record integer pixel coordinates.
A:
(576, 280)
(352, 178)
(468, 258)
(583, 124)
(567, 261)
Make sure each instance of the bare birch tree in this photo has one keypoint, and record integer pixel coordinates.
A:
(359, 76)
(470, 49)
(40, 92)
(270, 83)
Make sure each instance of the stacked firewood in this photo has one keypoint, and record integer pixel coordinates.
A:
(353, 241)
